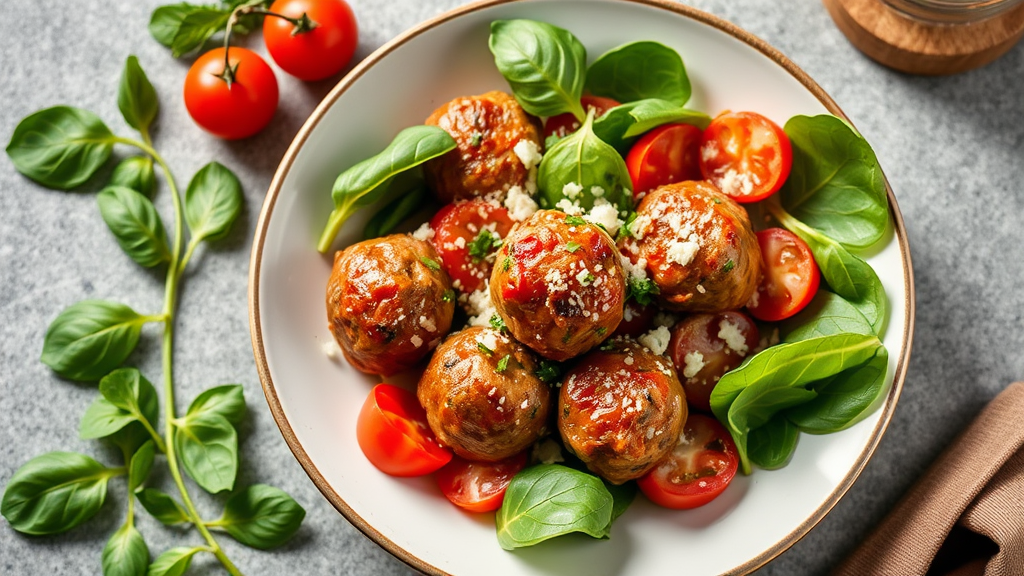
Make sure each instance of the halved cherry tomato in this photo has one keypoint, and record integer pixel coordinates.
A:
(565, 124)
(479, 486)
(746, 155)
(636, 319)
(311, 54)
(789, 276)
(235, 111)
(667, 154)
(700, 467)
(466, 236)
(393, 433)
(705, 346)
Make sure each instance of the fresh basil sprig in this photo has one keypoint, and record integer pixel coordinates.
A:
(126, 553)
(135, 172)
(173, 562)
(208, 445)
(261, 516)
(638, 71)
(545, 65)
(365, 182)
(186, 27)
(61, 147)
(162, 507)
(213, 201)
(136, 97)
(136, 225)
(413, 196)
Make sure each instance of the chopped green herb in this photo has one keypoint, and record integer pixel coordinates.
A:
(588, 279)
(482, 245)
(567, 337)
(642, 290)
(608, 345)
(728, 266)
(575, 221)
(498, 323)
(506, 264)
(548, 371)
(430, 263)
(449, 295)
(716, 200)
(483, 348)
(624, 231)
(475, 139)
(601, 330)
(573, 246)
(503, 363)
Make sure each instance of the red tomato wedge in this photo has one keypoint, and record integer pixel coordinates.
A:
(393, 433)
(789, 276)
(478, 486)
(565, 124)
(706, 346)
(699, 468)
(466, 236)
(746, 155)
(664, 155)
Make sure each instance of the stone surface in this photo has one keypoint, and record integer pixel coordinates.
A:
(952, 149)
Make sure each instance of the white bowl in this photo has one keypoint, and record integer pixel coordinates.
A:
(315, 400)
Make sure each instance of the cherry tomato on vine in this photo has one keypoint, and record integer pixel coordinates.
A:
(393, 433)
(565, 124)
(746, 155)
(232, 111)
(789, 276)
(699, 468)
(479, 486)
(664, 155)
(316, 53)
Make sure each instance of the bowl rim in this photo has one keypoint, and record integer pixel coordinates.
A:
(256, 257)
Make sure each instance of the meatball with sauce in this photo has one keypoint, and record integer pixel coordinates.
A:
(482, 397)
(498, 143)
(696, 245)
(621, 409)
(389, 303)
(558, 284)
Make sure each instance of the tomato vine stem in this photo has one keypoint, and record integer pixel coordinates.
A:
(300, 25)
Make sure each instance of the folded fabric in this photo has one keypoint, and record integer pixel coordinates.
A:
(965, 516)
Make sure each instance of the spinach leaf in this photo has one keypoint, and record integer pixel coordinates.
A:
(549, 500)
(60, 147)
(844, 398)
(397, 211)
(771, 445)
(213, 201)
(835, 185)
(90, 338)
(582, 159)
(622, 124)
(827, 314)
(173, 562)
(141, 464)
(227, 401)
(261, 516)
(136, 225)
(55, 492)
(364, 183)
(126, 553)
(544, 65)
(135, 172)
(136, 97)
(162, 507)
(208, 447)
(637, 71)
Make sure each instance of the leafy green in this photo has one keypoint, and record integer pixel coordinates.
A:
(126, 553)
(484, 243)
(136, 225)
(173, 562)
(162, 507)
(772, 445)
(208, 447)
(622, 124)
(261, 516)
(622, 496)
(843, 399)
(835, 185)
(503, 363)
(544, 65)
(397, 211)
(550, 500)
(548, 371)
(102, 419)
(135, 172)
(165, 21)
(60, 147)
(141, 464)
(637, 71)
(89, 339)
(212, 202)
(642, 290)
(364, 183)
(827, 314)
(227, 401)
(136, 97)
(55, 492)
(126, 397)
(199, 24)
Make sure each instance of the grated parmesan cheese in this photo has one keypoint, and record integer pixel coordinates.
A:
(331, 349)
(416, 341)
(489, 338)
(572, 190)
(424, 232)
(656, 340)
(693, 364)
(605, 214)
(570, 208)
(528, 153)
(733, 337)
(682, 253)
(519, 204)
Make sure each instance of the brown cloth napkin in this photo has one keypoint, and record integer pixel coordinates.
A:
(965, 516)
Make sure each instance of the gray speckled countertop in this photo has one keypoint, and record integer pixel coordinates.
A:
(952, 148)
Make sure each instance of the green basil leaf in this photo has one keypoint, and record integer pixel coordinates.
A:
(212, 202)
(585, 160)
(141, 464)
(208, 447)
(622, 124)
(772, 445)
(827, 314)
(60, 147)
(637, 71)
(261, 516)
(102, 419)
(835, 184)
(162, 507)
(136, 97)
(128, 390)
(227, 401)
(549, 500)
(622, 496)
(55, 492)
(397, 211)
(135, 172)
(197, 26)
(365, 182)
(173, 562)
(89, 339)
(129, 438)
(843, 399)
(545, 65)
(126, 553)
(165, 21)
(136, 225)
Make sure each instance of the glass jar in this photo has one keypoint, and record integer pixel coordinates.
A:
(952, 11)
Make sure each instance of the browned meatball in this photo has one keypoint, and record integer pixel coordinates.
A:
(558, 284)
(487, 129)
(482, 397)
(621, 410)
(389, 303)
(697, 246)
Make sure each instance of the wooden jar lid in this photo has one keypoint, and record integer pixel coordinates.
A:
(918, 47)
